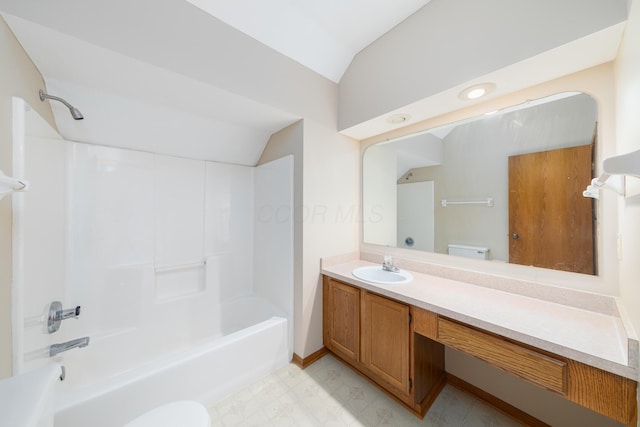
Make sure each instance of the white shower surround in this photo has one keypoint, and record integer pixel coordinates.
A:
(161, 252)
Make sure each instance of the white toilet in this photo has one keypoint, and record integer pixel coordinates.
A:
(175, 414)
(26, 400)
(478, 252)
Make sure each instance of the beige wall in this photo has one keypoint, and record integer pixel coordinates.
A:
(379, 195)
(330, 217)
(627, 79)
(19, 77)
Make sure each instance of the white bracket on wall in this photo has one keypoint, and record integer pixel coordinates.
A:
(612, 182)
(614, 169)
(8, 185)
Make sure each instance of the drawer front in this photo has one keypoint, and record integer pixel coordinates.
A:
(425, 322)
(529, 365)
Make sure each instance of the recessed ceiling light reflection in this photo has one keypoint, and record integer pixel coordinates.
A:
(476, 91)
(397, 119)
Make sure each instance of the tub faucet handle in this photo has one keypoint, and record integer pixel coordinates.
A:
(70, 313)
(57, 315)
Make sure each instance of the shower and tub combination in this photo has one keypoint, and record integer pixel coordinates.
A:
(185, 281)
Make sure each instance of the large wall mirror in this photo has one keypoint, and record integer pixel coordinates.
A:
(504, 187)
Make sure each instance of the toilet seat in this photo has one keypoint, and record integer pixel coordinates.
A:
(176, 414)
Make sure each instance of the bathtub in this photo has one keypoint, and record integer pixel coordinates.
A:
(254, 345)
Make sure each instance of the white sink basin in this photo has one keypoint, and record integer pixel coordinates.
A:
(375, 274)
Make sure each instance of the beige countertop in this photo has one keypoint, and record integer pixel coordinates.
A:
(587, 336)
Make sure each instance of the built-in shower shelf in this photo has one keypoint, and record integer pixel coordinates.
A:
(176, 267)
(180, 280)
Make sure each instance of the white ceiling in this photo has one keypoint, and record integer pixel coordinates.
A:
(321, 35)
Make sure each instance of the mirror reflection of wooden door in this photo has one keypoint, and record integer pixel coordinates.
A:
(550, 222)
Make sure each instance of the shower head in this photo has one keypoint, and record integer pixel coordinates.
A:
(75, 113)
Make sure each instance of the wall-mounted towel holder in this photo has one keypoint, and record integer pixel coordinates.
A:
(484, 202)
(8, 185)
(614, 169)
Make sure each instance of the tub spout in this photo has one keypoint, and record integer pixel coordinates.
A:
(59, 348)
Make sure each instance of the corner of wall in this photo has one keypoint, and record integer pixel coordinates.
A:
(287, 140)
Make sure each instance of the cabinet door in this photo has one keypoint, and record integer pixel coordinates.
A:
(341, 312)
(385, 340)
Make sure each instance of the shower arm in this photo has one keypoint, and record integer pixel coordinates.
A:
(44, 96)
(75, 113)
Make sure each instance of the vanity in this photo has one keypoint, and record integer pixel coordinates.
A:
(575, 346)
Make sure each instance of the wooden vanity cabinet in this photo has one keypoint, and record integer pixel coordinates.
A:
(374, 334)
(401, 348)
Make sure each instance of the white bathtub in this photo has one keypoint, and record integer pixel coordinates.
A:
(206, 372)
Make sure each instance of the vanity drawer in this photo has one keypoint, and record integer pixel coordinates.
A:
(523, 362)
(424, 322)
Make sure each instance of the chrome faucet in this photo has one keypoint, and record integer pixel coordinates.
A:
(65, 346)
(387, 265)
(57, 315)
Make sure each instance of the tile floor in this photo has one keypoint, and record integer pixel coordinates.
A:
(328, 393)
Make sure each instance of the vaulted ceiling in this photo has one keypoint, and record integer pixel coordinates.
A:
(321, 35)
(214, 79)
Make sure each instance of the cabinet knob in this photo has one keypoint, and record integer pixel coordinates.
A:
(515, 236)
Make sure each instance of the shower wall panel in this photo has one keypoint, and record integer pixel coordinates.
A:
(179, 217)
(228, 230)
(179, 212)
(44, 264)
(111, 234)
(273, 257)
(274, 232)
